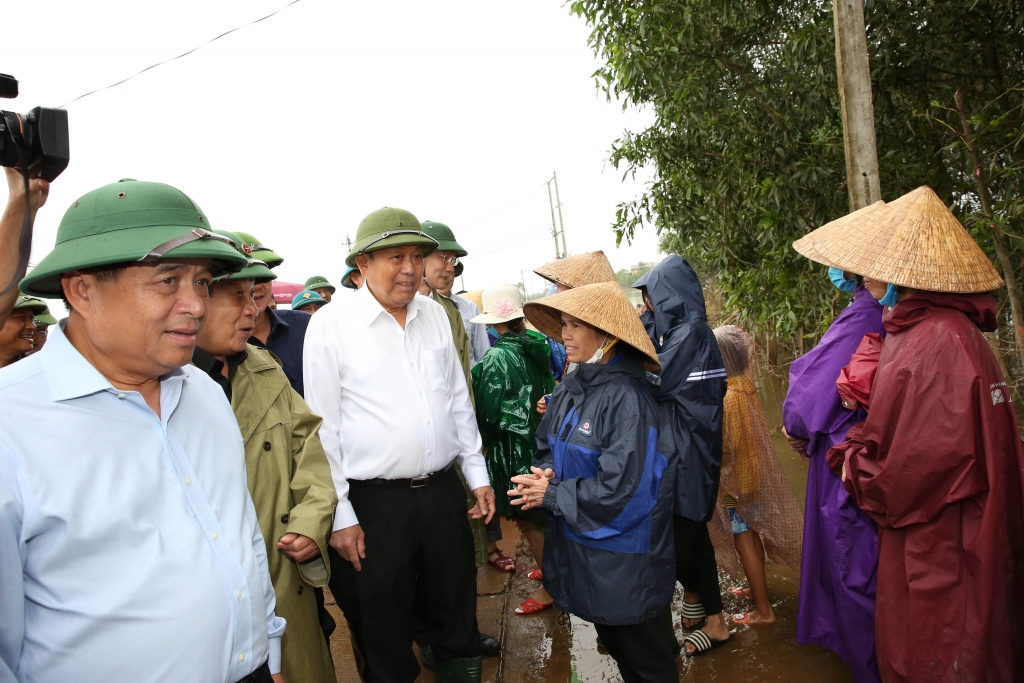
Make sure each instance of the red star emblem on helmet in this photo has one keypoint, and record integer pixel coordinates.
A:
(247, 249)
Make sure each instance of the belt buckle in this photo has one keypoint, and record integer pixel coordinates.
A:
(420, 481)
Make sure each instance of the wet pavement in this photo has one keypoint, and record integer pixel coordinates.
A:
(539, 648)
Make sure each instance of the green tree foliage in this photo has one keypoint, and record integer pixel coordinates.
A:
(747, 148)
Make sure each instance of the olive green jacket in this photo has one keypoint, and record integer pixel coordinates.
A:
(465, 357)
(291, 487)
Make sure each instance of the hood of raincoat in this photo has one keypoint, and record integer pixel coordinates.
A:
(980, 309)
(693, 384)
(533, 345)
(675, 293)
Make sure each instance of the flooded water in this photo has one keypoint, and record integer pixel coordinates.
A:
(543, 647)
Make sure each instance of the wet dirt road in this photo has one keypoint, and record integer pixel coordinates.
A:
(538, 648)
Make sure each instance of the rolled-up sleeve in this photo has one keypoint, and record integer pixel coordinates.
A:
(12, 567)
(321, 374)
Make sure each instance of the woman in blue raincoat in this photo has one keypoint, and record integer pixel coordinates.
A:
(507, 383)
(604, 483)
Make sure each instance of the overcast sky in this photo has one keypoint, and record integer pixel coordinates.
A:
(295, 128)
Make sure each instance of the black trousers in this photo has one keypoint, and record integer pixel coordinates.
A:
(418, 541)
(696, 568)
(646, 652)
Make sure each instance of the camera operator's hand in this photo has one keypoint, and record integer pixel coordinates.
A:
(10, 230)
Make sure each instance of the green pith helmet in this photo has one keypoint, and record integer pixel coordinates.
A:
(129, 221)
(37, 306)
(444, 237)
(389, 227)
(319, 282)
(346, 279)
(256, 269)
(45, 319)
(253, 247)
(305, 298)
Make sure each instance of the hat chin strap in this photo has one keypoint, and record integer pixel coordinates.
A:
(197, 234)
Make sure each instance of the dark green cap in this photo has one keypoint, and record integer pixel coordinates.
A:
(256, 270)
(389, 227)
(444, 237)
(252, 247)
(129, 221)
(305, 298)
(319, 282)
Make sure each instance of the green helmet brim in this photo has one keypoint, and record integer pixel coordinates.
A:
(46, 319)
(256, 270)
(390, 239)
(36, 306)
(125, 246)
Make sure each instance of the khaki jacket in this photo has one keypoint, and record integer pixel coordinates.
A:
(292, 489)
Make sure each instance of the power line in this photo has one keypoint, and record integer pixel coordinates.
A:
(183, 54)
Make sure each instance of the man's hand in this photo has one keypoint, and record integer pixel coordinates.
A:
(38, 191)
(798, 445)
(277, 678)
(298, 547)
(485, 507)
(350, 544)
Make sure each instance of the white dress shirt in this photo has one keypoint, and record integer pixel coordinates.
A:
(479, 344)
(394, 401)
(129, 546)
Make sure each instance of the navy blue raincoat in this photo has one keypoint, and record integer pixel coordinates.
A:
(693, 383)
(608, 549)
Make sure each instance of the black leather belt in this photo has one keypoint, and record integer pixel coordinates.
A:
(415, 483)
(259, 675)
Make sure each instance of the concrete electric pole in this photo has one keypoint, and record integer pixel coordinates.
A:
(854, 76)
(560, 251)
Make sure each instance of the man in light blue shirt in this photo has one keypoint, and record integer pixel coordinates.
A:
(129, 545)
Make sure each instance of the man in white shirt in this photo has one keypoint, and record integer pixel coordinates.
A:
(382, 370)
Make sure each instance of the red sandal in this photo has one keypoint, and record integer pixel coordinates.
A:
(531, 606)
(536, 575)
(503, 563)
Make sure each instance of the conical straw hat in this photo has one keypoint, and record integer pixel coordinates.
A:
(578, 270)
(914, 241)
(839, 226)
(603, 305)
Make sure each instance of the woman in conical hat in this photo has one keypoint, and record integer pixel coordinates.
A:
(604, 484)
(938, 462)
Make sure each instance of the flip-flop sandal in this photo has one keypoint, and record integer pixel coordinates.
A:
(744, 619)
(531, 606)
(738, 592)
(693, 610)
(502, 562)
(701, 643)
(536, 575)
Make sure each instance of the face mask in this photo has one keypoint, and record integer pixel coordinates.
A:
(492, 333)
(599, 354)
(890, 296)
(839, 280)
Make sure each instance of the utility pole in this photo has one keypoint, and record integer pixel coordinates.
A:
(560, 252)
(561, 225)
(348, 241)
(854, 76)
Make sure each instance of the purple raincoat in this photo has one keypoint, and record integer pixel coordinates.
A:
(840, 550)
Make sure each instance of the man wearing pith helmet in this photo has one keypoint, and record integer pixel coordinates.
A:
(382, 369)
(320, 285)
(129, 545)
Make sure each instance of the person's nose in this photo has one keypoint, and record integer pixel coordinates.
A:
(192, 300)
(250, 309)
(30, 324)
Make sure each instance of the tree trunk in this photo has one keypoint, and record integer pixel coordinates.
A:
(1002, 253)
(854, 76)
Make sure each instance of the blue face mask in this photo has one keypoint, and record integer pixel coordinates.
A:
(890, 296)
(492, 333)
(840, 281)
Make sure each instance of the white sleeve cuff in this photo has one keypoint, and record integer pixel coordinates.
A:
(345, 516)
(274, 651)
(475, 470)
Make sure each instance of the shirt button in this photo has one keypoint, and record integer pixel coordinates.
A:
(300, 590)
(241, 657)
(122, 395)
(188, 482)
(215, 535)
(284, 518)
(266, 445)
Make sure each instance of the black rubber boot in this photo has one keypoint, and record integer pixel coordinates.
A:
(489, 647)
(462, 670)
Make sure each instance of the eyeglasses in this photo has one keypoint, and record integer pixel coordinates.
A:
(450, 258)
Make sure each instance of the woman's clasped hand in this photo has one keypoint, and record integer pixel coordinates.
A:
(530, 488)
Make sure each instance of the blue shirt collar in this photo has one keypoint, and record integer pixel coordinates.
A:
(274, 319)
(69, 375)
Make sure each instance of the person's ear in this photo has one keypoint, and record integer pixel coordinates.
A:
(363, 263)
(79, 289)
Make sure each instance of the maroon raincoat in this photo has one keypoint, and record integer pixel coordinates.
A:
(938, 464)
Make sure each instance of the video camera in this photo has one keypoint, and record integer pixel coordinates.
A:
(35, 143)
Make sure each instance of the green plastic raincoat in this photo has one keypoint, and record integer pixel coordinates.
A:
(508, 382)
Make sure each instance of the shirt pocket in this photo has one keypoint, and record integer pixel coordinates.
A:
(435, 363)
